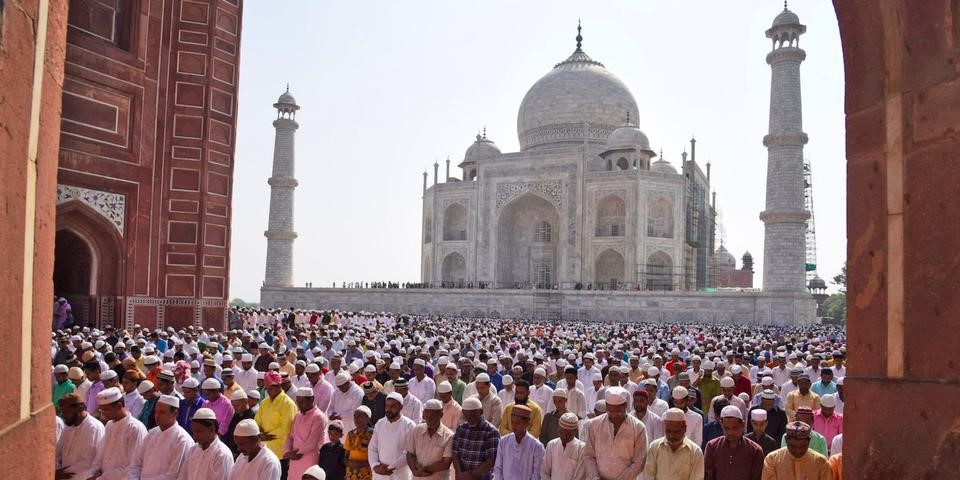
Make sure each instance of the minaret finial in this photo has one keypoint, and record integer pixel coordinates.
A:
(784, 5)
(579, 37)
(288, 87)
(484, 131)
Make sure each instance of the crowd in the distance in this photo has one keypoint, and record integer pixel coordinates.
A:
(327, 395)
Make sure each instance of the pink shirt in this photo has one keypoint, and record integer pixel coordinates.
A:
(307, 434)
(322, 393)
(223, 409)
(829, 427)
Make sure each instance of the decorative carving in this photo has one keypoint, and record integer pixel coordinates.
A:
(566, 131)
(111, 205)
(551, 189)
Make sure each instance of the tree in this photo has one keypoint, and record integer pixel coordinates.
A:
(240, 303)
(841, 279)
(835, 306)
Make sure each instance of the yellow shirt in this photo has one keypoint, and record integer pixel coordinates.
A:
(795, 400)
(780, 465)
(684, 464)
(535, 419)
(275, 416)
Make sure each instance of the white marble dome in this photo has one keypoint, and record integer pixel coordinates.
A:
(578, 90)
(786, 17)
(482, 149)
(663, 166)
(628, 136)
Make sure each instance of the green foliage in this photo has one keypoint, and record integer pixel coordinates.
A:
(835, 306)
(841, 279)
(240, 303)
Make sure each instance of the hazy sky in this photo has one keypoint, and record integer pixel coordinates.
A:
(387, 88)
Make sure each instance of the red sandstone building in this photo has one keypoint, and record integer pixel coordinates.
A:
(146, 161)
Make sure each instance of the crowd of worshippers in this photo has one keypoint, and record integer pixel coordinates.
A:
(449, 398)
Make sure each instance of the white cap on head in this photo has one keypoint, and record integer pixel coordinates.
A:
(364, 410)
(191, 383)
(727, 382)
(731, 411)
(507, 380)
(144, 387)
(109, 374)
(304, 392)
(736, 369)
(239, 395)
(675, 415)
(653, 371)
(569, 421)
(540, 371)
(615, 396)
(680, 392)
(432, 404)
(560, 393)
(758, 415)
(150, 360)
(483, 378)
(61, 369)
(246, 357)
(204, 414)
(828, 401)
(211, 384)
(170, 400)
(444, 387)
(109, 395)
(768, 394)
(420, 362)
(313, 368)
(254, 394)
(596, 377)
(246, 428)
(766, 381)
(395, 397)
(708, 365)
(342, 377)
(472, 403)
(316, 473)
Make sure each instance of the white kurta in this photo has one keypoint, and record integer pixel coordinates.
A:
(694, 427)
(121, 443)
(576, 401)
(162, 453)
(543, 396)
(77, 447)
(563, 463)
(424, 390)
(247, 379)
(506, 396)
(134, 403)
(344, 404)
(264, 466)
(412, 408)
(654, 426)
(214, 463)
(388, 447)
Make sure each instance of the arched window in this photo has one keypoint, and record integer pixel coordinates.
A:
(428, 228)
(659, 272)
(543, 233)
(455, 222)
(623, 164)
(611, 217)
(660, 218)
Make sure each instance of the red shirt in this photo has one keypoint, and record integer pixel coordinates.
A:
(742, 385)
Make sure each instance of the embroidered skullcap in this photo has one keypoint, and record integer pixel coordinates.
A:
(758, 415)
(600, 406)
(569, 421)
(304, 392)
(507, 380)
(170, 400)
(540, 371)
(396, 397)
(768, 394)
(680, 392)
(828, 401)
(254, 394)
(483, 378)
(559, 393)
(108, 375)
(238, 395)
(615, 396)
(191, 383)
(432, 404)
(736, 369)
(75, 373)
(472, 403)
(312, 368)
(364, 410)
(211, 384)
(798, 430)
(444, 387)
(342, 378)
(727, 382)
(109, 395)
(144, 387)
(596, 377)
(521, 411)
(61, 369)
(804, 411)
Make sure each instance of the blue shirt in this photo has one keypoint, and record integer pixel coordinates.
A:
(497, 380)
(186, 411)
(822, 389)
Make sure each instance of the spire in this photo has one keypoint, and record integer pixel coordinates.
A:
(288, 87)
(579, 37)
(784, 5)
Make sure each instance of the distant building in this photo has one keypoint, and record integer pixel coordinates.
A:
(726, 272)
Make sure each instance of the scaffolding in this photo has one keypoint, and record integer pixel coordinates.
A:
(811, 237)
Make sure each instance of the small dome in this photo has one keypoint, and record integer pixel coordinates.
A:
(723, 258)
(663, 166)
(628, 136)
(786, 17)
(482, 149)
(747, 255)
(817, 283)
(287, 98)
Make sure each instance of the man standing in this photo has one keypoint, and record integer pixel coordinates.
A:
(122, 438)
(776, 417)
(519, 454)
(576, 400)
(307, 434)
(521, 397)
(801, 397)
(694, 420)
(475, 443)
(550, 428)
(217, 402)
(708, 385)
(562, 459)
(674, 456)
(616, 443)
(732, 456)
(209, 458)
(421, 386)
(451, 409)
(374, 400)
(275, 417)
(165, 446)
(826, 421)
(492, 405)
(386, 453)
(191, 402)
(255, 461)
(652, 423)
(758, 422)
(322, 389)
(241, 412)
(412, 406)
(796, 460)
(81, 438)
(817, 442)
(429, 445)
(506, 394)
(345, 400)
(63, 386)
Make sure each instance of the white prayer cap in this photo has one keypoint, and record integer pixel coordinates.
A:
(144, 387)
(433, 404)
(75, 373)
(675, 415)
(420, 362)
(300, 363)
(191, 383)
(353, 368)
(260, 375)
(246, 428)
(483, 378)
(313, 368)
(653, 371)
(304, 392)
(560, 392)
(507, 380)
(210, 384)
(828, 401)
(680, 392)
(766, 381)
(736, 369)
(540, 371)
(731, 411)
(226, 358)
(109, 395)
(194, 364)
(255, 394)
(613, 369)
(569, 421)
(758, 415)
(273, 366)
(596, 377)
(615, 396)
(727, 382)
(394, 366)
(472, 403)
(342, 377)
(238, 395)
(246, 357)
(745, 397)
(150, 360)
(204, 414)
(444, 387)
(364, 410)
(109, 374)
(316, 473)
(768, 394)
(61, 369)
(170, 400)
(395, 397)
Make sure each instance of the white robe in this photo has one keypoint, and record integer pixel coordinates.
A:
(694, 427)
(134, 403)
(654, 426)
(543, 396)
(388, 447)
(121, 443)
(563, 463)
(424, 390)
(247, 379)
(344, 404)
(78, 446)
(265, 466)
(162, 453)
(412, 408)
(506, 396)
(214, 463)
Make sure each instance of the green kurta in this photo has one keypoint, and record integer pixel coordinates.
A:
(60, 390)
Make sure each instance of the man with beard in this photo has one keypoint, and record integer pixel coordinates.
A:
(322, 389)
(122, 437)
(346, 398)
(492, 405)
(651, 421)
(165, 446)
(674, 456)
(563, 457)
(307, 434)
(275, 417)
(429, 445)
(80, 440)
(255, 462)
(521, 397)
(796, 460)
(801, 397)
(616, 443)
(209, 458)
(732, 456)
(387, 453)
(241, 412)
(475, 443)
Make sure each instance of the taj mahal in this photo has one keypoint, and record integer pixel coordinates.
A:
(586, 220)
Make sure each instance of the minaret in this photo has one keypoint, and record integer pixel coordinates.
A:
(785, 216)
(280, 234)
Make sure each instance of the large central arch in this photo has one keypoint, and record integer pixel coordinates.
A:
(528, 243)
